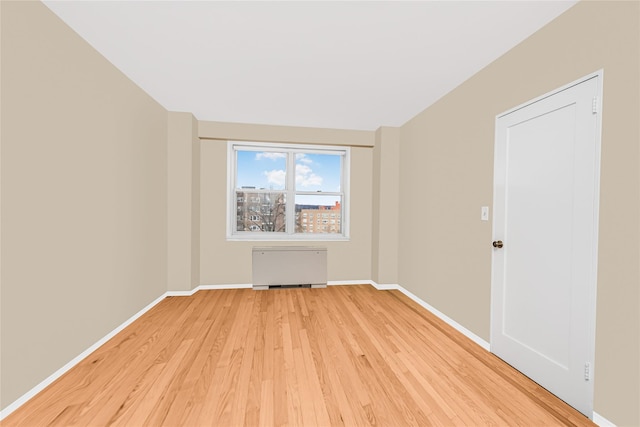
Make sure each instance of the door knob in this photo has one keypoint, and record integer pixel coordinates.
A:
(498, 244)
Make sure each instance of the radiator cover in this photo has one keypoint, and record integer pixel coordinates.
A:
(289, 266)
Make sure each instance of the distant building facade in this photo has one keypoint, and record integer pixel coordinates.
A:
(260, 211)
(319, 219)
(265, 212)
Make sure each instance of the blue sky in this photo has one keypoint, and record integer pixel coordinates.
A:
(266, 169)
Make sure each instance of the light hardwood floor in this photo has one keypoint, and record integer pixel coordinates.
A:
(344, 355)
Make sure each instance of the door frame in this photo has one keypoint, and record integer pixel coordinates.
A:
(591, 324)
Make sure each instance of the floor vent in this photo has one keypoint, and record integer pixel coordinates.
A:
(289, 286)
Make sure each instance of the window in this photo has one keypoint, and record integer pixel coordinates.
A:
(284, 185)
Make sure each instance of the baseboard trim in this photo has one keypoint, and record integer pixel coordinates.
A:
(249, 285)
(464, 331)
(602, 421)
(386, 287)
(218, 287)
(180, 293)
(73, 362)
(207, 288)
(349, 282)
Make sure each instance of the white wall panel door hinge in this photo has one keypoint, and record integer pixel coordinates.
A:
(587, 371)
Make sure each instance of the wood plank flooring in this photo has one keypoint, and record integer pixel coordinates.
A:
(344, 355)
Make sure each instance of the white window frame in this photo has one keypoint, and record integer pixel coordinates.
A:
(290, 192)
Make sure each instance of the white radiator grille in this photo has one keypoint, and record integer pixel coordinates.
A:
(289, 266)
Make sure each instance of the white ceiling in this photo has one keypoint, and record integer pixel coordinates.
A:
(349, 65)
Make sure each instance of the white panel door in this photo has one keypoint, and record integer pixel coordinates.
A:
(546, 180)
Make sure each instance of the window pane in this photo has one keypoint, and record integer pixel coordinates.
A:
(264, 170)
(318, 172)
(318, 214)
(261, 212)
(308, 177)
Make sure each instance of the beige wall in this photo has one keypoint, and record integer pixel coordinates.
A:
(195, 204)
(183, 193)
(83, 197)
(229, 262)
(386, 202)
(446, 175)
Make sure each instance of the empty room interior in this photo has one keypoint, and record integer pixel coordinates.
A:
(131, 147)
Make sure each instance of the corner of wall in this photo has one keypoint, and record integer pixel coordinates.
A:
(183, 202)
(385, 218)
(375, 203)
(195, 204)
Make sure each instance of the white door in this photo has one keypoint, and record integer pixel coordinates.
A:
(546, 191)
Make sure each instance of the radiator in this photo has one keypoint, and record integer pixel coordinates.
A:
(285, 266)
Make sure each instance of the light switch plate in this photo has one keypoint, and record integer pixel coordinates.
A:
(484, 213)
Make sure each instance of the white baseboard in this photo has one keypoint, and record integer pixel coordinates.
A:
(602, 421)
(386, 287)
(464, 331)
(243, 286)
(180, 293)
(216, 287)
(349, 282)
(57, 374)
(206, 288)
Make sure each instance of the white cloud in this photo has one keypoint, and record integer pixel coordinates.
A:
(302, 158)
(269, 155)
(303, 170)
(304, 175)
(276, 177)
(306, 178)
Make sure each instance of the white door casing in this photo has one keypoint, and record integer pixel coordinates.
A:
(546, 195)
